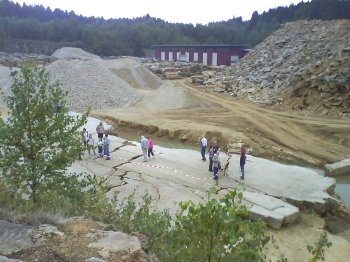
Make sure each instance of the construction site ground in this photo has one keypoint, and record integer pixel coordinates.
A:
(178, 111)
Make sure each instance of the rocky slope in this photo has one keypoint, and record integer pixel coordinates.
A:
(304, 65)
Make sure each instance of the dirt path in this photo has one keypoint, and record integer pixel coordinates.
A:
(181, 111)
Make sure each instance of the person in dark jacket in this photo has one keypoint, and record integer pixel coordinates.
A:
(242, 160)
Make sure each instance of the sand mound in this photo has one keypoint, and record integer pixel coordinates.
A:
(172, 97)
(134, 73)
(73, 53)
(90, 83)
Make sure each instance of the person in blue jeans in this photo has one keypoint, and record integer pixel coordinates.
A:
(242, 160)
(203, 142)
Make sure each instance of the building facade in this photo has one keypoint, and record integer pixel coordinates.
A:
(203, 54)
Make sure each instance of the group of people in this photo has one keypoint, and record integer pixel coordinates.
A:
(147, 147)
(214, 157)
(103, 143)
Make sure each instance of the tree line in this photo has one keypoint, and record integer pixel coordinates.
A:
(123, 36)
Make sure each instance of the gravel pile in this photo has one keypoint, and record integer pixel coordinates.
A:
(90, 83)
(304, 65)
(73, 53)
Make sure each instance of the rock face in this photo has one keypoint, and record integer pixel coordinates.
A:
(14, 237)
(338, 168)
(272, 191)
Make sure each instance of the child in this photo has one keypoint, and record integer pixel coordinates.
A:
(90, 144)
(100, 147)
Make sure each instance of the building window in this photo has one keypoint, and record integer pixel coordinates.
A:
(234, 59)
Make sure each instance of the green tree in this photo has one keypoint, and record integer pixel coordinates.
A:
(38, 141)
(218, 230)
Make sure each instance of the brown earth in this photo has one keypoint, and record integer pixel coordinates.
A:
(179, 111)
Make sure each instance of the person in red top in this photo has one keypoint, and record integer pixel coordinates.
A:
(150, 148)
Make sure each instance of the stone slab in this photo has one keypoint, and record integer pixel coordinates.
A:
(297, 184)
(339, 168)
(273, 211)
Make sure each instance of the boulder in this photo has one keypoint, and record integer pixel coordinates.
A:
(118, 242)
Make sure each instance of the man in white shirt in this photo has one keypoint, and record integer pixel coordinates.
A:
(203, 142)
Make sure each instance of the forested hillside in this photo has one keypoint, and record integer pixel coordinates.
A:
(131, 36)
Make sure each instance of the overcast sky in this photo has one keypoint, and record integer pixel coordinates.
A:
(181, 11)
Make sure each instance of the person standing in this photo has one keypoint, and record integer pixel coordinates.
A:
(100, 146)
(203, 142)
(106, 147)
(144, 146)
(150, 147)
(100, 129)
(85, 136)
(216, 161)
(242, 160)
(211, 154)
(91, 144)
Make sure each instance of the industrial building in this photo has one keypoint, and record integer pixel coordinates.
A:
(203, 54)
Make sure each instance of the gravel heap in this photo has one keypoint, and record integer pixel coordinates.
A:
(304, 65)
(73, 53)
(90, 83)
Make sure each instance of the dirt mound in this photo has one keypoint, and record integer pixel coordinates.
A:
(304, 65)
(73, 53)
(90, 83)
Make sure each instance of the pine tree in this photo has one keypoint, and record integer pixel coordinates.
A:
(39, 139)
